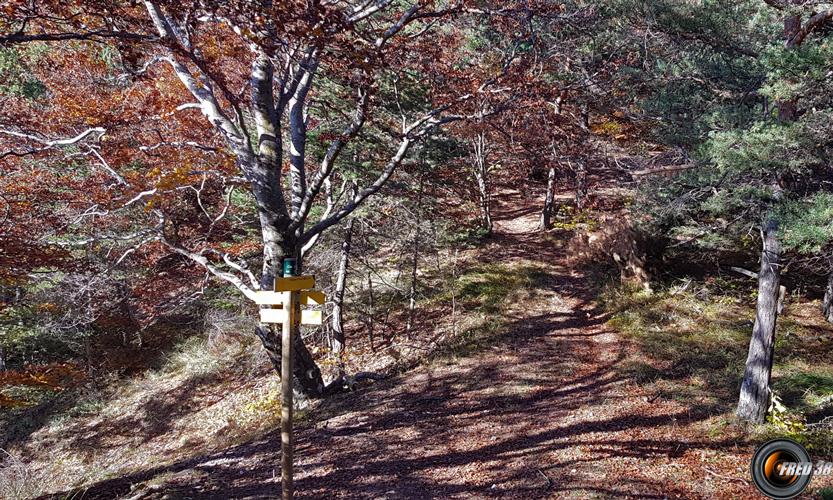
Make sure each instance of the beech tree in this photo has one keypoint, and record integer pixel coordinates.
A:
(282, 89)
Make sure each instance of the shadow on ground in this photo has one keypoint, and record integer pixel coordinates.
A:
(543, 410)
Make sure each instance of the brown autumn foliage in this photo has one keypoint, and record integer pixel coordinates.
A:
(218, 133)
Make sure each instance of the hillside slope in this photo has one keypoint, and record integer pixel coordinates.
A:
(543, 408)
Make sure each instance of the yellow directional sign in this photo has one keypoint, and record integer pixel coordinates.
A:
(312, 297)
(272, 315)
(279, 316)
(294, 283)
(277, 299)
(268, 298)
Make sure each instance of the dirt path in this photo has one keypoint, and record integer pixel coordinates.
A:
(545, 412)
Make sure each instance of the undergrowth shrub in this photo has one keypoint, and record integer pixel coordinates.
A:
(16, 482)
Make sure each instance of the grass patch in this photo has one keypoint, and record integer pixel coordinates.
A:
(805, 388)
(207, 392)
(471, 341)
(569, 218)
(490, 290)
(195, 357)
(690, 348)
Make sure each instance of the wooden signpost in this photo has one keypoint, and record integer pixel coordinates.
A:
(290, 293)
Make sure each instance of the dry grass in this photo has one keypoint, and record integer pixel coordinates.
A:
(210, 392)
(218, 390)
(16, 481)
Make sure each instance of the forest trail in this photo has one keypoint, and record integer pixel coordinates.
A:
(546, 411)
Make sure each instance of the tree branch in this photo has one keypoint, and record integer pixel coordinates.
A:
(199, 86)
(20, 37)
(814, 22)
(249, 292)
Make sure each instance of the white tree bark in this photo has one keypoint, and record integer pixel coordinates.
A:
(282, 77)
(546, 212)
(481, 176)
(339, 341)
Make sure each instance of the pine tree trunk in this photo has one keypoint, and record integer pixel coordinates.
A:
(788, 110)
(755, 389)
(546, 213)
(338, 340)
(827, 302)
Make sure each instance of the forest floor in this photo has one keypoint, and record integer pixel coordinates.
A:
(543, 410)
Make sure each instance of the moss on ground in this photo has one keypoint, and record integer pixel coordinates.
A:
(487, 290)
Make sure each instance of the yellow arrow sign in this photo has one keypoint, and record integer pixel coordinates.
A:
(312, 297)
(310, 317)
(294, 283)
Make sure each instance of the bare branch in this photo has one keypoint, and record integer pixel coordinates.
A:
(249, 292)
(242, 268)
(331, 201)
(198, 85)
(57, 142)
(367, 9)
(149, 192)
(178, 144)
(330, 157)
(97, 35)
(103, 237)
(107, 167)
(47, 144)
(362, 195)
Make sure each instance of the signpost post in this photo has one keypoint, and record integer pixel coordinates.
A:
(290, 292)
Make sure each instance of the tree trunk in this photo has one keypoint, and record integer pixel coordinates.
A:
(308, 380)
(827, 302)
(415, 259)
(585, 116)
(485, 203)
(481, 175)
(338, 340)
(371, 312)
(277, 244)
(581, 185)
(755, 389)
(788, 110)
(546, 213)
